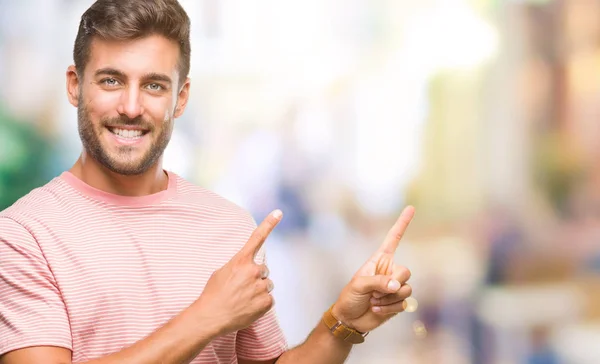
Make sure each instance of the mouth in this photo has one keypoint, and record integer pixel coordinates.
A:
(128, 133)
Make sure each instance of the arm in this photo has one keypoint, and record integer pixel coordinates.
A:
(234, 297)
(179, 341)
(320, 347)
(375, 294)
(323, 347)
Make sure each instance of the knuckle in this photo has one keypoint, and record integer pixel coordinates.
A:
(383, 301)
(399, 233)
(263, 271)
(258, 236)
(261, 235)
(378, 294)
(404, 274)
(256, 271)
(272, 221)
(265, 303)
(383, 281)
(407, 289)
(258, 288)
(269, 302)
(392, 299)
(264, 286)
(389, 299)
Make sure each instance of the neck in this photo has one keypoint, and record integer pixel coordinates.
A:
(98, 176)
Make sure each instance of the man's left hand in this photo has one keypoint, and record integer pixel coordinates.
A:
(378, 289)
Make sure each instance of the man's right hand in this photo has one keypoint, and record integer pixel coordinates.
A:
(238, 293)
(234, 297)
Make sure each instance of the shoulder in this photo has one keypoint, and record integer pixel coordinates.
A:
(211, 202)
(39, 203)
(215, 216)
(15, 235)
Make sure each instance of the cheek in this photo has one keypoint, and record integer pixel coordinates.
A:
(160, 111)
(157, 113)
(94, 116)
(102, 105)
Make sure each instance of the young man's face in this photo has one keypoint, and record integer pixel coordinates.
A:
(127, 100)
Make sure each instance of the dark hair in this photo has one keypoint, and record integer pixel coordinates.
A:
(130, 20)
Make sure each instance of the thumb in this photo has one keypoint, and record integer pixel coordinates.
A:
(369, 284)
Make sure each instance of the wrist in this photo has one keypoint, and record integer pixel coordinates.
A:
(207, 325)
(340, 328)
(340, 317)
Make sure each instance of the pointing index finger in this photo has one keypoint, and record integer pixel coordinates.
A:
(260, 234)
(392, 240)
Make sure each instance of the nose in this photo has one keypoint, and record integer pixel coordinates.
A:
(130, 103)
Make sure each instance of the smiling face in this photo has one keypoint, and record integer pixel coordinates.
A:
(127, 100)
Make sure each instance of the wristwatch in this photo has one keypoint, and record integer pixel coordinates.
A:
(339, 329)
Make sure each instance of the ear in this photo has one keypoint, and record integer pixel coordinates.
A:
(73, 86)
(182, 98)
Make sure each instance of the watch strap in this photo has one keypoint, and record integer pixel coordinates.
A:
(341, 330)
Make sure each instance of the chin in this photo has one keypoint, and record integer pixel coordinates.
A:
(127, 171)
(128, 168)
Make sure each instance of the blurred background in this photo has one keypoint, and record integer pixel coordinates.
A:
(481, 113)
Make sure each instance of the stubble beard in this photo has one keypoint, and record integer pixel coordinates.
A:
(122, 163)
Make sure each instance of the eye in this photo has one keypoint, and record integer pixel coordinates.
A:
(154, 87)
(110, 82)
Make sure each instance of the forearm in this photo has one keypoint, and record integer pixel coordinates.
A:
(178, 341)
(321, 347)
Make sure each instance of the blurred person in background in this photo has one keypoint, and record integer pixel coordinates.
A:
(120, 261)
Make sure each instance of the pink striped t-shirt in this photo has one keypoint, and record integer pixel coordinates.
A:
(95, 272)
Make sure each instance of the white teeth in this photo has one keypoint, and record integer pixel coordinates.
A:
(130, 134)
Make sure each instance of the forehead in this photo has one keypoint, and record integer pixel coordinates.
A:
(140, 56)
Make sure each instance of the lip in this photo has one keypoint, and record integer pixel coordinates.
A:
(127, 127)
(126, 141)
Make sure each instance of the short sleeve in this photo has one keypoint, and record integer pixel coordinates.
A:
(264, 339)
(32, 312)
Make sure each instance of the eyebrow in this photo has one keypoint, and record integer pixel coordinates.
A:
(109, 72)
(152, 76)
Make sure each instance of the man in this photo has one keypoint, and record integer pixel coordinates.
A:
(119, 261)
